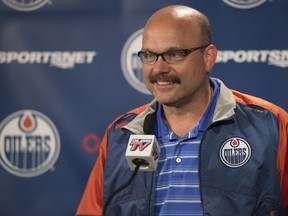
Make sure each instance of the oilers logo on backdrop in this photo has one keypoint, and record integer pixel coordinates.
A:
(244, 4)
(29, 143)
(131, 64)
(27, 5)
(235, 152)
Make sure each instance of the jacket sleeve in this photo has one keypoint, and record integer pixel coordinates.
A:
(91, 202)
(282, 156)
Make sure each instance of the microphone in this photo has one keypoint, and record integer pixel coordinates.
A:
(142, 153)
(149, 123)
(144, 148)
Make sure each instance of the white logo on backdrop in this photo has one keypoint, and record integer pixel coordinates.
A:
(63, 60)
(27, 5)
(29, 143)
(244, 4)
(275, 57)
(131, 64)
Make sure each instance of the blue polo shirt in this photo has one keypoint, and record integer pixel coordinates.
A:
(177, 181)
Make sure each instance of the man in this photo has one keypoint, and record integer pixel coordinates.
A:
(222, 152)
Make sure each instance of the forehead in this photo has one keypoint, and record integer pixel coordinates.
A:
(161, 36)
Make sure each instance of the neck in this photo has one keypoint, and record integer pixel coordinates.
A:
(189, 115)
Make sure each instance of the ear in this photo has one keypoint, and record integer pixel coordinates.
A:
(210, 55)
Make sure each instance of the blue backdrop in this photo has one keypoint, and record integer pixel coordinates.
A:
(68, 68)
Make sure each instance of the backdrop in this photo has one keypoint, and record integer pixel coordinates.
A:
(68, 68)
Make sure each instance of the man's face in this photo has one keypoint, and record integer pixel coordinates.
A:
(179, 83)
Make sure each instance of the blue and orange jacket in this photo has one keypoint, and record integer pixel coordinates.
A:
(259, 187)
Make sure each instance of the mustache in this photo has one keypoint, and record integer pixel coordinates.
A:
(164, 78)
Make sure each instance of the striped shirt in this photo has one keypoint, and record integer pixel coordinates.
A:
(177, 180)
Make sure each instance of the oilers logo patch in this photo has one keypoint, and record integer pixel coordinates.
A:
(235, 152)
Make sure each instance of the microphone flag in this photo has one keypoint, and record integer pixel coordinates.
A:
(144, 149)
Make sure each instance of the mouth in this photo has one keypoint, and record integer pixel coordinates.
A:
(163, 83)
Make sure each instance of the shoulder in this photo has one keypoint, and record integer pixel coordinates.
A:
(127, 117)
(261, 103)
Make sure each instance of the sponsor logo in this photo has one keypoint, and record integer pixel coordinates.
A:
(29, 143)
(91, 143)
(275, 57)
(63, 60)
(139, 144)
(235, 152)
(27, 5)
(244, 4)
(131, 64)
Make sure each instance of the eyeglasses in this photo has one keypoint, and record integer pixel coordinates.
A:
(170, 57)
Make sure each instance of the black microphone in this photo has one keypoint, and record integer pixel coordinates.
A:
(149, 123)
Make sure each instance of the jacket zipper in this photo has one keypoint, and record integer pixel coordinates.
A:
(151, 202)
(200, 174)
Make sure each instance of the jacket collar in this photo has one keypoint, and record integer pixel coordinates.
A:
(224, 109)
(225, 105)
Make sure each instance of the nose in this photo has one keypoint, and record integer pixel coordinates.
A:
(161, 65)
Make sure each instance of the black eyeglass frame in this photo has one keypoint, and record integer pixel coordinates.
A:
(185, 51)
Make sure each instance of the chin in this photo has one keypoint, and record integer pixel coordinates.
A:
(166, 102)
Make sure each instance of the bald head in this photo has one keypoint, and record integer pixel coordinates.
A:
(186, 23)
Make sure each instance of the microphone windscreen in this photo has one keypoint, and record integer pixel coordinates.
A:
(149, 124)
